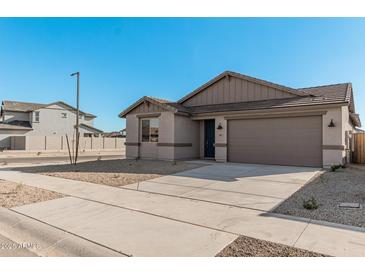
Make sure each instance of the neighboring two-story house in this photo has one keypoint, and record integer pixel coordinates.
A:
(54, 119)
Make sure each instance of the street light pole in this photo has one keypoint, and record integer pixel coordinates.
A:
(77, 114)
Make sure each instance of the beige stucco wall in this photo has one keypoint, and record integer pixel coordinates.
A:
(132, 124)
(186, 132)
(52, 123)
(335, 136)
(166, 135)
(221, 139)
(59, 143)
(348, 129)
(176, 129)
(53, 143)
(35, 143)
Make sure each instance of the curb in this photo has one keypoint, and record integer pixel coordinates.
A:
(45, 240)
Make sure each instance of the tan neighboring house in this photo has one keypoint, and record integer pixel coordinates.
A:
(242, 119)
(33, 119)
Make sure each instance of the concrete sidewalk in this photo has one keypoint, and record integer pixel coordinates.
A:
(23, 236)
(328, 239)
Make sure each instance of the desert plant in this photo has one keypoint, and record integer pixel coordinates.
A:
(310, 204)
(335, 167)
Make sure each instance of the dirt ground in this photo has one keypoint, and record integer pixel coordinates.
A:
(346, 185)
(113, 172)
(13, 194)
(250, 247)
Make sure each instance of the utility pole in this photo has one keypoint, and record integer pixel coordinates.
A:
(77, 114)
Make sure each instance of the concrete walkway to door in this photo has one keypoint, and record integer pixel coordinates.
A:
(141, 223)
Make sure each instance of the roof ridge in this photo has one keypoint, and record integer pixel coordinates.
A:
(159, 99)
(23, 102)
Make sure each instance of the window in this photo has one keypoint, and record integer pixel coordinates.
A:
(150, 130)
(36, 116)
(64, 115)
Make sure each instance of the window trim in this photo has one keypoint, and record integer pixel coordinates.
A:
(37, 114)
(149, 136)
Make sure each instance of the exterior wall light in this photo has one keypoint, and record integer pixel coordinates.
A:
(219, 126)
(331, 124)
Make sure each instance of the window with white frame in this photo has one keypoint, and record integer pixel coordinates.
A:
(36, 116)
(150, 130)
(64, 115)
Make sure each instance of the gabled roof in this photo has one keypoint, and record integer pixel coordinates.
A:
(91, 128)
(244, 77)
(165, 104)
(28, 107)
(21, 106)
(320, 95)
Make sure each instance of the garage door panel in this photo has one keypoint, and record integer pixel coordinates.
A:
(284, 141)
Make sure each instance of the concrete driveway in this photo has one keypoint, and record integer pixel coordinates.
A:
(260, 187)
(141, 223)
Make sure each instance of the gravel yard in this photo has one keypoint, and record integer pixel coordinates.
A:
(249, 247)
(13, 194)
(113, 172)
(346, 185)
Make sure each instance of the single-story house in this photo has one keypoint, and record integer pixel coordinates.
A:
(242, 119)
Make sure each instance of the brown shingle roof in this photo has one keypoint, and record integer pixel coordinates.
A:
(21, 106)
(266, 104)
(339, 91)
(27, 107)
(320, 95)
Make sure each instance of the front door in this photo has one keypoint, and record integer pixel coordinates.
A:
(209, 138)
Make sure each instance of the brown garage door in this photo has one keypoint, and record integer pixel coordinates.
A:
(293, 141)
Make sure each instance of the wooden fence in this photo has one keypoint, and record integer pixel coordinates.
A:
(359, 148)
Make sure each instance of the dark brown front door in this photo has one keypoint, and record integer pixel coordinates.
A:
(209, 138)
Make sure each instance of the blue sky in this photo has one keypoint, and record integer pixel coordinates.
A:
(123, 59)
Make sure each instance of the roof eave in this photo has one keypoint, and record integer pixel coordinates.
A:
(91, 127)
(124, 113)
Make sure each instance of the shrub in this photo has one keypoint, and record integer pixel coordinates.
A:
(310, 204)
(335, 167)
